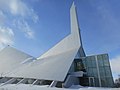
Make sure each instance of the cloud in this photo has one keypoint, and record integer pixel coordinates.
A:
(115, 64)
(23, 26)
(21, 12)
(6, 37)
(35, 17)
(2, 18)
(18, 7)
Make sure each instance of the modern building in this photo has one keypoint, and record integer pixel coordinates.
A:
(64, 65)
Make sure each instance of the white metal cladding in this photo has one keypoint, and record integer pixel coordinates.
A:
(50, 68)
(10, 58)
(71, 41)
(56, 62)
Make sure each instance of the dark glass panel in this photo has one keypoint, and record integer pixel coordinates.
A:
(108, 72)
(102, 71)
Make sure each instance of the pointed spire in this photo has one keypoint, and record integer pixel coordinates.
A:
(75, 26)
(73, 4)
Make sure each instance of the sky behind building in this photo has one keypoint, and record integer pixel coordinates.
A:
(34, 26)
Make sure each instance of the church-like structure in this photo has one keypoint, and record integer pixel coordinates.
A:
(64, 65)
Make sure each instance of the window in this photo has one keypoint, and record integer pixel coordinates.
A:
(99, 57)
(84, 63)
(93, 63)
(106, 62)
(90, 72)
(103, 82)
(109, 81)
(105, 57)
(89, 62)
(108, 71)
(100, 63)
(95, 72)
(96, 82)
(102, 71)
(100, 60)
(79, 66)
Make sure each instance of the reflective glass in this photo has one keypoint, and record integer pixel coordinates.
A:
(100, 62)
(99, 57)
(95, 72)
(103, 82)
(90, 72)
(96, 82)
(93, 63)
(102, 71)
(89, 62)
(108, 72)
(109, 81)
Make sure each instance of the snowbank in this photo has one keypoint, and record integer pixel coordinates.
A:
(36, 87)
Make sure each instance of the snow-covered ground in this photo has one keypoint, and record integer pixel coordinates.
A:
(36, 87)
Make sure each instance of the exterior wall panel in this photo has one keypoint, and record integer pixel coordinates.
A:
(98, 66)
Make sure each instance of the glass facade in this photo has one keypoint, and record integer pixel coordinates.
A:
(78, 64)
(80, 53)
(98, 66)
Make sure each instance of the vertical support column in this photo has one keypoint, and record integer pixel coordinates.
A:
(98, 71)
(9, 81)
(35, 82)
(53, 84)
(24, 80)
(89, 81)
(94, 81)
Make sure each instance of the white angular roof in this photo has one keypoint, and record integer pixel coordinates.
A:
(56, 62)
(11, 58)
(50, 68)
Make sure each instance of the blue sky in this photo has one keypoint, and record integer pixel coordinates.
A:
(34, 26)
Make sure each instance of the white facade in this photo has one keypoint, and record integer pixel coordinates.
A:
(56, 62)
(57, 65)
(11, 59)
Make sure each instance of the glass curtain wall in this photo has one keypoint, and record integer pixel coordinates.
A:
(98, 66)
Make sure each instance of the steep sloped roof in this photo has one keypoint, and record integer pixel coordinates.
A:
(50, 68)
(10, 58)
(56, 62)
